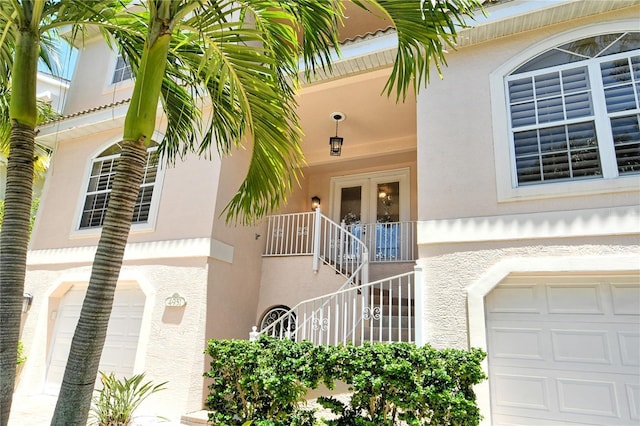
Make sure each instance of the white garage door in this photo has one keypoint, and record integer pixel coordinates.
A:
(564, 350)
(119, 352)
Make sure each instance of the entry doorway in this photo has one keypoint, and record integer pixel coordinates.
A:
(379, 197)
(375, 207)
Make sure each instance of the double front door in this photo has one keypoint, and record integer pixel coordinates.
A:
(371, 206)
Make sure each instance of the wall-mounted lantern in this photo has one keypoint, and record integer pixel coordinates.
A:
(27, 300)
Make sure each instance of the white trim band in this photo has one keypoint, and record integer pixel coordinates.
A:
(168, 249)
(556, 224)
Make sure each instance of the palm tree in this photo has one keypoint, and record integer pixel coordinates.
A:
(25, 26)
(42, 154)
(241, 56)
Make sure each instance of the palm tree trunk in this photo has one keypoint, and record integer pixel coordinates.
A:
(14, 238)
(80, 374)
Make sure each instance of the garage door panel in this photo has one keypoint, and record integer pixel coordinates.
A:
(523, 420)
(573, 358)
(629, 342)
(633, 396)
(535, 320)
(626, 299)
(581, 346)
(517, 343)
(515, 299)
(536, 394)
(589, 397)
(521, 391)
(570, 299)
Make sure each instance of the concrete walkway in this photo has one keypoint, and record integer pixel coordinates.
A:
(31, 409)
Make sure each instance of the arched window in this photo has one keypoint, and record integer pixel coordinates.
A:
(574, 111)
(283, 317)
(101, 181)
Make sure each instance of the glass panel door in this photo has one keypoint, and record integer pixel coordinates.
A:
(372, 205)
(351, 205)
(388, 202)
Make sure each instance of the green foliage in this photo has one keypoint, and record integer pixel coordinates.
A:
(114, 404)
(21, 356)
(263, 383)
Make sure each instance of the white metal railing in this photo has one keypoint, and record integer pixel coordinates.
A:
(388, 241)
(315, 234)
(381, 311)
(343, 251)
(294, 234)
(290, 234)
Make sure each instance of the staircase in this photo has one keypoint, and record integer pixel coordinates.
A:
(360, 311)
(390, 315)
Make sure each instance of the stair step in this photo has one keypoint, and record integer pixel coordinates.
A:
(395, 320)
(395, 308)
(383, 334)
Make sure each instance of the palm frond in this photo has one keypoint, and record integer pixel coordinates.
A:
(244, 56)
(424, 30)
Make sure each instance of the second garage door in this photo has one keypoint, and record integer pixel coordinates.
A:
(120, 348)
(564, 350)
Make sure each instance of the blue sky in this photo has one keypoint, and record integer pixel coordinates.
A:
(67, 57)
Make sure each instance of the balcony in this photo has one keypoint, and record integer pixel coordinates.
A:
(293, 235)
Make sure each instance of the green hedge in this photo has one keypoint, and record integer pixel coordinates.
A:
(264, 383)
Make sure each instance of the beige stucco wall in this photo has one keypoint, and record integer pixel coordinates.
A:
(470, 237)
(318, 178)
(185, 209)
(92, 79)
(449, 270)
(233, 287)
(290, 280)
(456, 140)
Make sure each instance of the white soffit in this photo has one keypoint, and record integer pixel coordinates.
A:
(378, 50)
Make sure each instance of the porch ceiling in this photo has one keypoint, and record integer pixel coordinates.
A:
(375, 125)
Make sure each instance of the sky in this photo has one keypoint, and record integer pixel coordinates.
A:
(67, 57)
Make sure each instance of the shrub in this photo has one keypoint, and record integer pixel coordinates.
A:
(263, 383)
(114, 404)
(21, 356)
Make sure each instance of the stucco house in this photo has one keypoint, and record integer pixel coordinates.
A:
(500, 209)
(49, 89)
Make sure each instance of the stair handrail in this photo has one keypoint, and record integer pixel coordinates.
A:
(337, 247)
(289, 325)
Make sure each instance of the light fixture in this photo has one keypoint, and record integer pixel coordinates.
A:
(335, 142)
(315, 202)
(27, 300)
(385, 198)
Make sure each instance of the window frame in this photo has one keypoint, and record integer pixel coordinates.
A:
(109, 85)
(504, 155)
(120, 71)
(148, 226)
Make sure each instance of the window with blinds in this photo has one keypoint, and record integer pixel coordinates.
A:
(101, 182)
(122, 70)
(574, 111)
